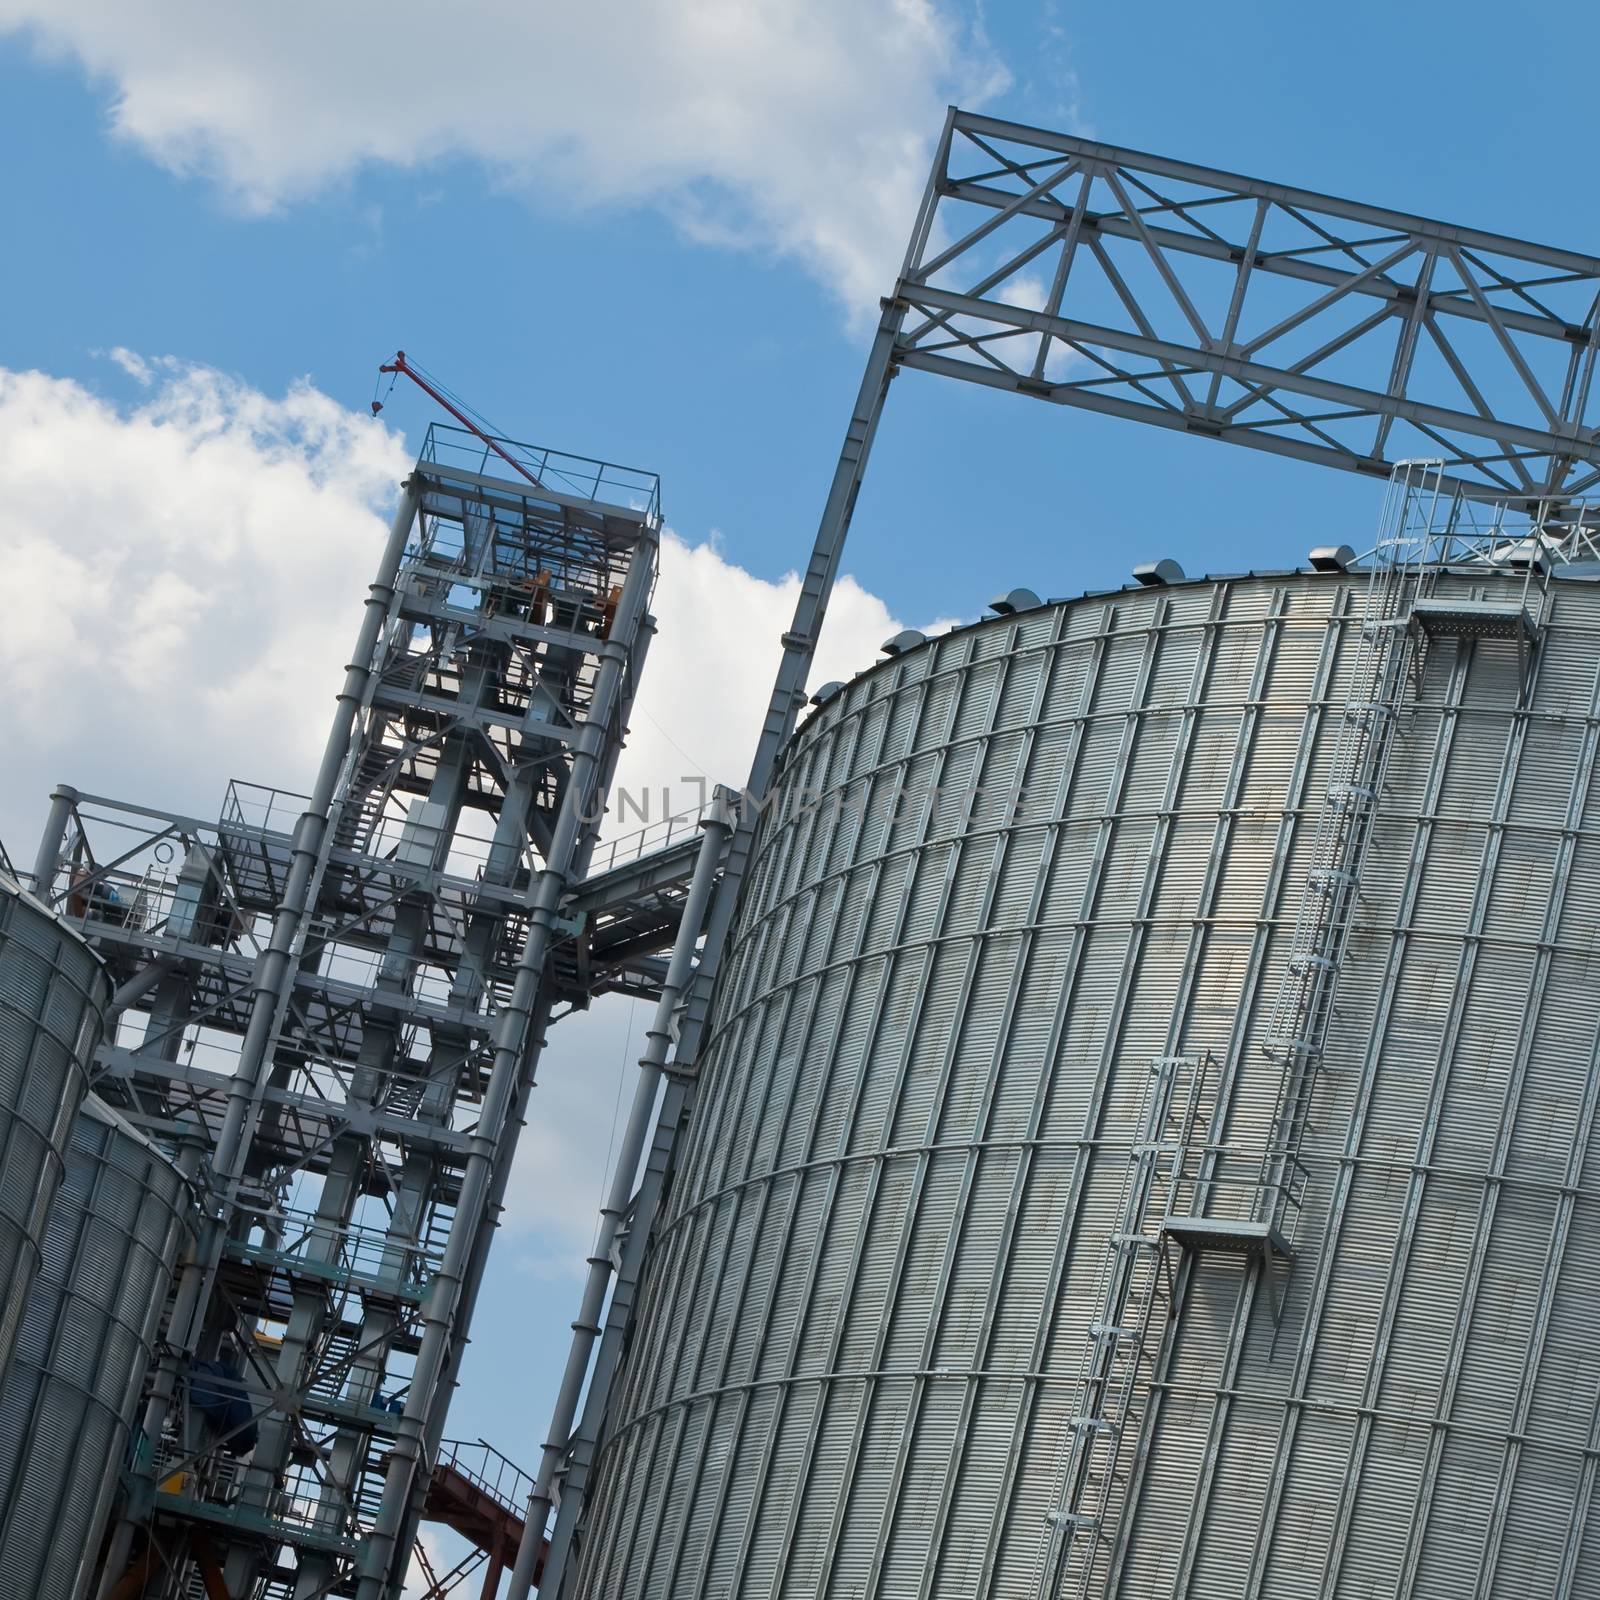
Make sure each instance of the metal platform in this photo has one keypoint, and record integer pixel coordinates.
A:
(1231, 1235)
(1474, 619)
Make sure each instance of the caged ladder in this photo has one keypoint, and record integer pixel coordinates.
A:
(1400, 574)
(1133, 1303)
(1162, 1201)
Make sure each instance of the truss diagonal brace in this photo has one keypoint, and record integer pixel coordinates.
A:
(1265, 378)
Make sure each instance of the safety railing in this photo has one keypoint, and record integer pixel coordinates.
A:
(487, 1470)
(301, 1243)
(578, 477)
(612, 853)
(271, 814)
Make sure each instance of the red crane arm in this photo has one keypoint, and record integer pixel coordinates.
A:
(400, 366)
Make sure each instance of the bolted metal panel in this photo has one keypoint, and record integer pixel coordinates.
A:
(68, 1402)
(1002, 874)
(53, 993)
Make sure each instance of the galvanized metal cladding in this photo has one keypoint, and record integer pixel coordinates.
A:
(952, 1029)
(69, 1399)
(53, 993)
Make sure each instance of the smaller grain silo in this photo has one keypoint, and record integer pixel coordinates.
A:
(53, 993)
(68, 1402)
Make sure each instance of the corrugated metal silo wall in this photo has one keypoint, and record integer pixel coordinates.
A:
(53, 993)
(69, 1401)
(862, 1319)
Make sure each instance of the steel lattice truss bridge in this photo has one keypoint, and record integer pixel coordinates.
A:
(1323, 329)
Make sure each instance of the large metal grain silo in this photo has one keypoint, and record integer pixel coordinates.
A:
(68, 1402)
(53, 994)
(1051, 1222)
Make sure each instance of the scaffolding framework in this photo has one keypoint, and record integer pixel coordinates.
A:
(348, 991)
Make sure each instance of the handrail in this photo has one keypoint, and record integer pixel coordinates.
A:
(497, 1475)
(612, 853)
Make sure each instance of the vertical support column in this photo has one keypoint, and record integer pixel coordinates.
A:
(717, 826)
(62, 800)
(799, 647)
(788, 694)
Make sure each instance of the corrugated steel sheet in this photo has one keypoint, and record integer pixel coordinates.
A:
(1001, 874)
(53, 993)
(69, 1400)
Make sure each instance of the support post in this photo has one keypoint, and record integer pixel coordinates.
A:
(62, 799)
(788, 694)
(717, 825)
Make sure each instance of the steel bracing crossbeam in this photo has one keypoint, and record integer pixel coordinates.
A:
(1328, 330)
(1063, 269)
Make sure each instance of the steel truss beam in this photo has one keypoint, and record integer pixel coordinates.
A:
(1323, 329)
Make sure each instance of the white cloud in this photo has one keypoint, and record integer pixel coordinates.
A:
(799, 127)
(184, 577)
(709, 674)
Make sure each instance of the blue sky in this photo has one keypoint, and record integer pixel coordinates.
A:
(677, 321)
(607, 331)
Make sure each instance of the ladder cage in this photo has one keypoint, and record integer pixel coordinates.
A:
(1132, 1307)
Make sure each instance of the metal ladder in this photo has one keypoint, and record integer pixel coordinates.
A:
(1376, 685)
(1133, 1303)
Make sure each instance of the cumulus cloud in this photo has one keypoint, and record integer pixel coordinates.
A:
(709, 673)
(184, 576)
(183, 579)
(800, 127)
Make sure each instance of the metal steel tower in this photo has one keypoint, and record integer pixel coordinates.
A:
(350, 990)
(1099, 278)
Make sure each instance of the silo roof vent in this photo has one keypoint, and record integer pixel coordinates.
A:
(1014, 600)
(826, 692)
(1154, 573)
(906, 639)
(1332, 558)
